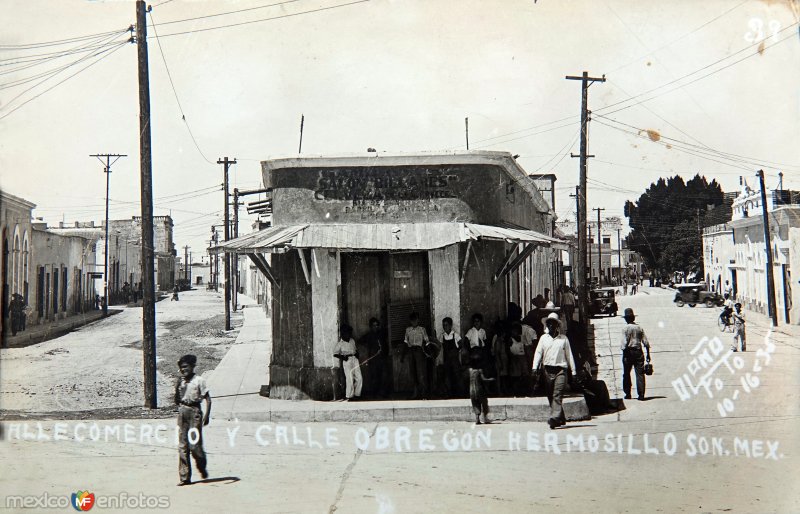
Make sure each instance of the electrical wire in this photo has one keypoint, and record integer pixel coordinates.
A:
(111, 52)
(223, 13)
(757, 52)
(59, 41)
(55, 71)
(175, 92)
(651, 52)
(239, 24)
(742, 158)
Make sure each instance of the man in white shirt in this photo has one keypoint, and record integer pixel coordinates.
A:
(346, 351)
(554, 355)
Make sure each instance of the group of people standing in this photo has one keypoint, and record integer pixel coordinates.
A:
(17, 313)
(510, 358)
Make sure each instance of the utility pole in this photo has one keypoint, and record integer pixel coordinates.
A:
(186, 262)
(302, 120)
(466, 128)
(146, 173)
(589, 266)
(226, 165)
(577, 197)
(235, 257)
(599, 249)
(583, 296)
(107, 171)
(619, 253)
(773, 312)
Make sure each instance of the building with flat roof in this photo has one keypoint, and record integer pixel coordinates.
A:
(357, 237)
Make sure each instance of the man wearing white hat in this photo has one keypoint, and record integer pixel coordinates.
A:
(554, 354)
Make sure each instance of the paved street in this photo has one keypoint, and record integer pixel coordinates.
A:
(660, 455)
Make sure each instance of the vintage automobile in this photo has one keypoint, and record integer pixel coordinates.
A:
(603, 301)
(694, 293)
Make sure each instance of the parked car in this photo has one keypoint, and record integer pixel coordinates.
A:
(603, 301)
(692, 294)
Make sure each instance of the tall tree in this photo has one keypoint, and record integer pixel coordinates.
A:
(667, 221)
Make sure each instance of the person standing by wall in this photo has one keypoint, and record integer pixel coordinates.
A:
(738, 328)
(633, 339)
(345, 350)
(416, 338)
(554, 356)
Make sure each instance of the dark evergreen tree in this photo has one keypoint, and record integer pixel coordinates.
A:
(667, 221)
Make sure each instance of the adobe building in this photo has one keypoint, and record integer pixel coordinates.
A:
(383, 236)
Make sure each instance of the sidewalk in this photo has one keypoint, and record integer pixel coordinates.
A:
(236, 382)
(35, 334)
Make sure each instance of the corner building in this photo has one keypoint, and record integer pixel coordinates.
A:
(383, 236)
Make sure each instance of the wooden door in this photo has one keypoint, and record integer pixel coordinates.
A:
(363, 290)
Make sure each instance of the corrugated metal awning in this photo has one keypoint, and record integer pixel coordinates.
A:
(380, 236)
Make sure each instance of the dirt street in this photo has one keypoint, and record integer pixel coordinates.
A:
(100, 365)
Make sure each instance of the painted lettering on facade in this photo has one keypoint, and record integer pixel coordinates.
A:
(370, 187)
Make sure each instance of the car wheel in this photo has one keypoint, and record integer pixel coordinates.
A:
(710, 303)
(692, 305)
(680, 303)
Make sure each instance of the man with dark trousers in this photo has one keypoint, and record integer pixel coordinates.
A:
(190, 391)
(633, 339)
(554, 355)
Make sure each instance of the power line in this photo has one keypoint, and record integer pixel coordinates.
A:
(59, 41)
(94, 43)
(760, 50)
(265, 19)
(651, 52)
(54, 71)
(62, 81)
(523, 137)
(676, 143)
(223, 13)
(175, 92)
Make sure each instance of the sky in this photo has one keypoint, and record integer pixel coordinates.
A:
(715, 82)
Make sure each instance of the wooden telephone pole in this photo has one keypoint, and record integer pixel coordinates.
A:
(583, 296)
(107, 170)
(599, 250)
(773, 311)
(146, 174)
(226, 163)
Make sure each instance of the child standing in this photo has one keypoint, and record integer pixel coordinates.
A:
(345, 351)
(416, 338)
(477, 390)
(452, 360)
(190, 391)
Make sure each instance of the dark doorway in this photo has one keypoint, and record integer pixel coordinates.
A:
(40, 291)
(364, 290)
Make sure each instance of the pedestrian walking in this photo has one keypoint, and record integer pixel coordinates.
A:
(16, 312)
(190, 391)
(633, 339)
(416, 338)
(345, 350)
(477, 389)
(566, 301)
(554, 356)
(738, 328)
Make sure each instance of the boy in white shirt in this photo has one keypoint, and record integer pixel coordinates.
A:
(452, 359)
(416, 339)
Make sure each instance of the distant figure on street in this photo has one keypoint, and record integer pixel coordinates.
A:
(190, 391)
(633, 339)
(554, 355)
(17, 313)
(345, 350)
(566, 300)
(416, 338)
(728, 290)
(175, 296)
(477, 389)
(738, 328)
(624, 286)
